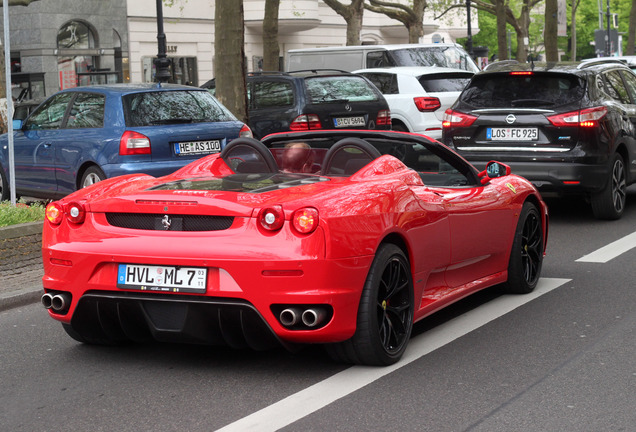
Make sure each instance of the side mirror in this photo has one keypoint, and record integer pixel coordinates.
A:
(17, 124)
(493, 170)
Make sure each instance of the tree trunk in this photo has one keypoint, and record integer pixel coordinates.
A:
(502, 32)
(550, 31)
(411, 17)
(522, 32)
(271, 50)
(352, 15)
(632, 29)
(229, 56)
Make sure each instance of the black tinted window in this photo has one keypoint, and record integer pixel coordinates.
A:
(445, 82)
(386, 83)
(87, 111)
(173, 107)
(630, 82)
(351, 88)
(376, 59)
(267, 94)
(615, 87)
(535, 90)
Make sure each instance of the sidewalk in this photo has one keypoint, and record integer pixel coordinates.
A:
(20, 265)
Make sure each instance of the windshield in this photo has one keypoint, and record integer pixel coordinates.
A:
(442, 56)
(173, 107)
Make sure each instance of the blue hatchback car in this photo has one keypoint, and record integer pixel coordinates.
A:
(83, 135)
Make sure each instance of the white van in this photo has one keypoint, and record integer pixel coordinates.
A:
(350, 58)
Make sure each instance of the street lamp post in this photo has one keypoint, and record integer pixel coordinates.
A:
(469, 41)
(162, 62)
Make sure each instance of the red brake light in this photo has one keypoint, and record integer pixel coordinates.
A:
(271, 218)
(75, 212)
(426, 104)
(54, 213)
(521, 73)
(246, 132)
(133, 143)
(305, 122)
(457, 119)
(584, 118)
(384, 118)
(305, 220)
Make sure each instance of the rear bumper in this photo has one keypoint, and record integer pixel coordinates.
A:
(242, 303)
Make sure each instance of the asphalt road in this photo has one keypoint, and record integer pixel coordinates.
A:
(560, 359)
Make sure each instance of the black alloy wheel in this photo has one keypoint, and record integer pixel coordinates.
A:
(385, 315)
(609, 204)
(526, 256)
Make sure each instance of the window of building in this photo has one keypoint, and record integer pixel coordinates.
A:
(183, 70)
(75, 35)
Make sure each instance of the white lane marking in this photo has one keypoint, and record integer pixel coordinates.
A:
(611, 251)
(319, 395)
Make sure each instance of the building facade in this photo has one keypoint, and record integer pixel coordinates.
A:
(57, 44)
(60, 43)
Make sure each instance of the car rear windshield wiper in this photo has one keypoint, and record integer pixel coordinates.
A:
(325, 100)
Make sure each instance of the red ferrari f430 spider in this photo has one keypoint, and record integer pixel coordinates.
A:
(341, 238)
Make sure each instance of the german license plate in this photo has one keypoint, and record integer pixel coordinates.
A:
(349, 121)
(162, 278)
(197, 147)
(512, 134)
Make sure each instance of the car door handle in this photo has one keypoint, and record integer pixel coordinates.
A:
(47, 144)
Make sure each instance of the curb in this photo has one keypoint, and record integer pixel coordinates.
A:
(23, 297)
(24, 229)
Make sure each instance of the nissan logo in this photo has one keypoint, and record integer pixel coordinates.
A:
(510, 118)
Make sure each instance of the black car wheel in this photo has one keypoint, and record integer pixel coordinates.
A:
(610, 202)
(385, 315)
(526, 256)
(91, 176)
(4, 187)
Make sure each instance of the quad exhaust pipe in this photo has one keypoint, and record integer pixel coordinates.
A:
(56, 302)
(308, 318)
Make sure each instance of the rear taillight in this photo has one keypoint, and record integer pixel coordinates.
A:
(587, 118)
(271, 218)
(74, 211)
(54, 213)
(246, 132)
(134, 143)
(427, 104)
(305, 122)
(457, 119)
(305, 220)
(384, 118)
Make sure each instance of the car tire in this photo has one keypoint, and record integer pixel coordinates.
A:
(385, 313)
(5, 190)
(91, 176)
(86, 338)
(526, 255)
(609, 204)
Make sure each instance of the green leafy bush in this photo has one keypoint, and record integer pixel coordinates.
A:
(20, 213)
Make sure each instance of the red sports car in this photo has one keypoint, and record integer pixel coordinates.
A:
(342, 238)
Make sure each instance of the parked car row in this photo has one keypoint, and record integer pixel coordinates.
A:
(570, 129)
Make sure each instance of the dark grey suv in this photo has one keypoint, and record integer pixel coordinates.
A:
(310, 100)
(570, 129)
